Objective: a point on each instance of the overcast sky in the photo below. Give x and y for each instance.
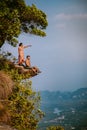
(62, 54)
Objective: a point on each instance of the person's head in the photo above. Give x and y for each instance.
(28, 56)
(20, 44)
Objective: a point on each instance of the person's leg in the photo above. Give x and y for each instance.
(28, 67)
(21, 59)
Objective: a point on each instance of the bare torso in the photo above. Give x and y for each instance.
(21, 51)
(21, 54)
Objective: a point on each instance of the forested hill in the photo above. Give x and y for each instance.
(67, 109)
(56, 96)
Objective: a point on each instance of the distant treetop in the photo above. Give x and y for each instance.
(16, 17)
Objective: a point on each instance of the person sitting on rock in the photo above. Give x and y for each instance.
(28, 65)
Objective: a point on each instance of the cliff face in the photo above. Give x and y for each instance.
(6, 127)
(6, 86)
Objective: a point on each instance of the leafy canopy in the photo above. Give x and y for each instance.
(24, 107)
(20, 107)
(16, 17)
(55, 128)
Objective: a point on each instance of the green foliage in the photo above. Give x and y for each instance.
(55, 128)
(5, 62)
(17, 17)
(9, 24)
(23, 103)
(24, 107)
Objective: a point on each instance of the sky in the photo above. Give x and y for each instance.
(62, 54)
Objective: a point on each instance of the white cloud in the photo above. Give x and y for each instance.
(63, 16)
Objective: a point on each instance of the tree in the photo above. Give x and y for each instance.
(24, 107)
(19, 103)
(16, 17)
(55, 128)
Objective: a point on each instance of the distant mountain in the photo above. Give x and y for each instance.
(68, 109)
(48, 96)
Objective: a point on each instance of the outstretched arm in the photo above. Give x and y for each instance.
(27, 46)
